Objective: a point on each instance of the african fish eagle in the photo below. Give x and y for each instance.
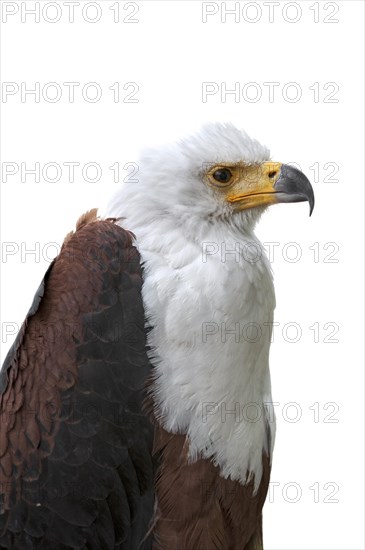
(125, 398)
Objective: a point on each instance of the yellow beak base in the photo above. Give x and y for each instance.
(255, 186)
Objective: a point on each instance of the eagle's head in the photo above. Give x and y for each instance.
(218, 174)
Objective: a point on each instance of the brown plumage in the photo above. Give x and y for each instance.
(76, 467)
(198, 509)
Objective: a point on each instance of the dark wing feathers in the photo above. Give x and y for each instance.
(76, 467)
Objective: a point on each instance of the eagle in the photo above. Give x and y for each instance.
(134, 400)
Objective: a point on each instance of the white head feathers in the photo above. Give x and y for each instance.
(170, 183)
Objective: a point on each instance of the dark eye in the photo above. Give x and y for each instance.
(223, 175)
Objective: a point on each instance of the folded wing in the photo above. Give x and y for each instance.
(76, 467)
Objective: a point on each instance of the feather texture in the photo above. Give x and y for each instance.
(72, 432)
(197, 508)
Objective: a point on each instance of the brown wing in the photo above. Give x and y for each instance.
(76, 469)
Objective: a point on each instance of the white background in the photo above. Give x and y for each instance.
(169, 52)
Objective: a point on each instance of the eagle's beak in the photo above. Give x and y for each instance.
(293, 186)
(270, 183)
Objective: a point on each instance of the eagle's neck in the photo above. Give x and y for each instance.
(210, 305)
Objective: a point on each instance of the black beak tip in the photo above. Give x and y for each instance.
(311, 206)
(295, 186)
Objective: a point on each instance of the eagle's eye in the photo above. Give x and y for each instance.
(223, 175)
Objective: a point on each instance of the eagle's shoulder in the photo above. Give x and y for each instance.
(75, 446)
